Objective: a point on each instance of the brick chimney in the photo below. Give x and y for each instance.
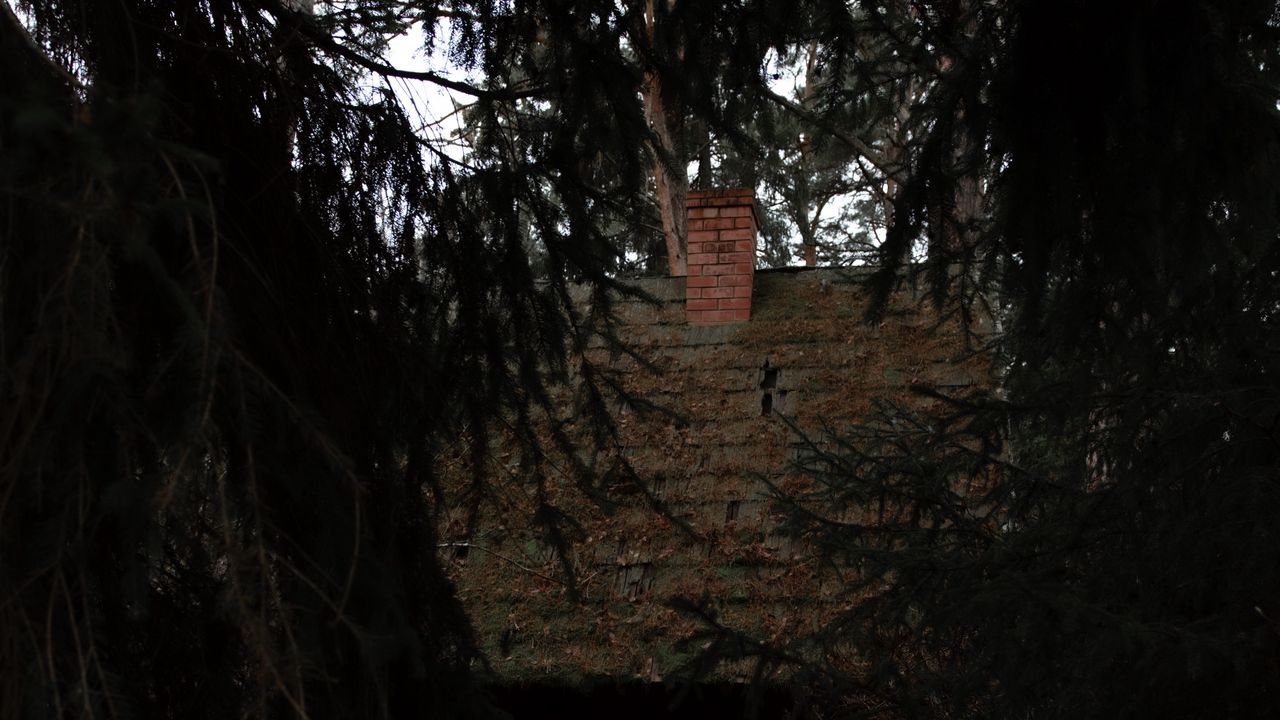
(722, 256)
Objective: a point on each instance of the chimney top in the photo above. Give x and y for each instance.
(722, 255)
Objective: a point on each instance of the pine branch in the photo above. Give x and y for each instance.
(323, 40)
(30, 55)
(862, 147)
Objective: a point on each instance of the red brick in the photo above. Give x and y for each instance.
(735, 257)
(695, 248)
(700, 304)
(718, 317)
(694, 270)
(742, 246)
(735, 235)
(700, 212)
(735, 280)
(719, 224)
(704, 259)
(742, 291)
(705, 235)
(734, 303)
(721, 192)
(693, 293)
(702, 201)
(696, 225)
(718, 269)
(718, 292)
(744, 268)
(743, 222)
(739, 211)
(700, 282)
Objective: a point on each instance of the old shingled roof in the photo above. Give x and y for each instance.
(737, 399)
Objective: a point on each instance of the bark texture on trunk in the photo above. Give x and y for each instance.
(670, 176)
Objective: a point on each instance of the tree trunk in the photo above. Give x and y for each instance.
(966, 198)
(670, 176)
(808, 231)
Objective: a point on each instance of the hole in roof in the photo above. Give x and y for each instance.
(635, 582)
(459, 551)
(770, 379)
(510, 637)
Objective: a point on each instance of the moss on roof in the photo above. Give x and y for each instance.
(706, 456)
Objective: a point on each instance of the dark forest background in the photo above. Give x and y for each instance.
(244, 304)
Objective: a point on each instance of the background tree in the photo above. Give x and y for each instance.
(726, 122)
(1097, 537)
(245, 309)
(242, 315)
